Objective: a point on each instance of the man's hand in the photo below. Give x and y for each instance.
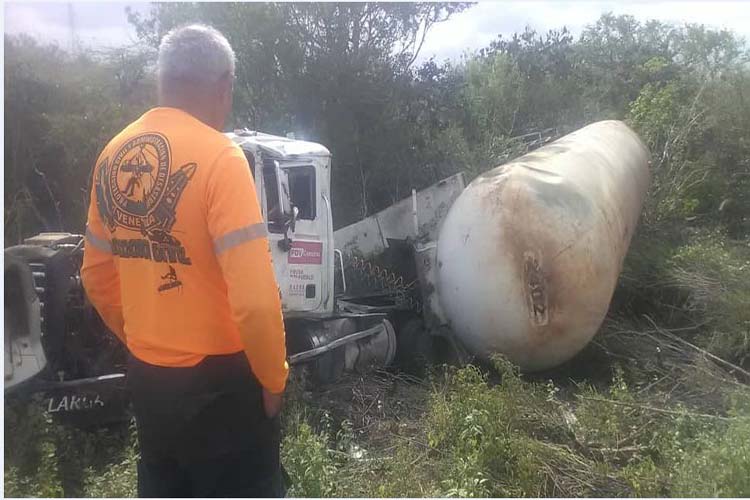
(271, 403)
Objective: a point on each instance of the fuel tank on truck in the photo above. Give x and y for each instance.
(530, 252)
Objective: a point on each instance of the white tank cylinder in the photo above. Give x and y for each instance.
(529, 254)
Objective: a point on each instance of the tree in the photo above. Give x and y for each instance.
(60, 111)
(345, 75)
(335, 73)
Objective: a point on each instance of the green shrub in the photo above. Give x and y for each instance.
(308, 462)
(716, 274)
(31, 465)
(43, 482)
(116, 477)
(44, 458)
(504, 439)
(720, 467)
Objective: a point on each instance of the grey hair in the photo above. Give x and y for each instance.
(195, 53)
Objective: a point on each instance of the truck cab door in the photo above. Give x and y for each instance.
(297, 234)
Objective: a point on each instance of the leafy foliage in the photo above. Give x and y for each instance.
(44, 458)
(497, 433)
(345, 75)
(60, 111)
(719, 468)
(308, 462)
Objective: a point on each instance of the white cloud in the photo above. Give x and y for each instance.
(105, 23)
(481, 24)
(102, 24)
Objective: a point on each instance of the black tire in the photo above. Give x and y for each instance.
(328, 368)
(414, 346)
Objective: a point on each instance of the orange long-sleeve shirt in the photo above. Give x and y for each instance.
(176, 259)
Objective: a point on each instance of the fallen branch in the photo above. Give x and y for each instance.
(702, 351)
(657, 410)
(624, 449)
(652, 384)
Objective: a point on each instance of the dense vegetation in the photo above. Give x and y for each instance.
(657, 405)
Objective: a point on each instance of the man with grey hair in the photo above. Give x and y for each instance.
(178, 266)
(195, 71)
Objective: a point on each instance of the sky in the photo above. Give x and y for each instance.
(104, 24)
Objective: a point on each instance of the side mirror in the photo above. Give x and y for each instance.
(282, 187)
(289, 224)
(289, 212)
(292, 222)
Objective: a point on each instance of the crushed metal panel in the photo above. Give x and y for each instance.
(363, 237)
(427, 271)
(370, 236)
(277, 146)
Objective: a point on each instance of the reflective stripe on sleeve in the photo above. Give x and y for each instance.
(239, 236)
(98, 243)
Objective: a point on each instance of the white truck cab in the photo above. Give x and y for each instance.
(292, 179)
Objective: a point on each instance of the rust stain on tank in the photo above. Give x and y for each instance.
(536, 289)
(533, 248)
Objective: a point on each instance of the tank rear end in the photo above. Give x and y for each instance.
(530, 253)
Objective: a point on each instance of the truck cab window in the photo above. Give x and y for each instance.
(302, 190)
(302, 194)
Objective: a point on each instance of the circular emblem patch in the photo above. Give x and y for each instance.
(138, 179)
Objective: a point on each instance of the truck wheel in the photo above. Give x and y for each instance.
(328, 368)
(414, 346)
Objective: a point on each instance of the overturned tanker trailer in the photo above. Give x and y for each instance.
(526, 260)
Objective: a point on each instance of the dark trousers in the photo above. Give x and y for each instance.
(202, 431)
